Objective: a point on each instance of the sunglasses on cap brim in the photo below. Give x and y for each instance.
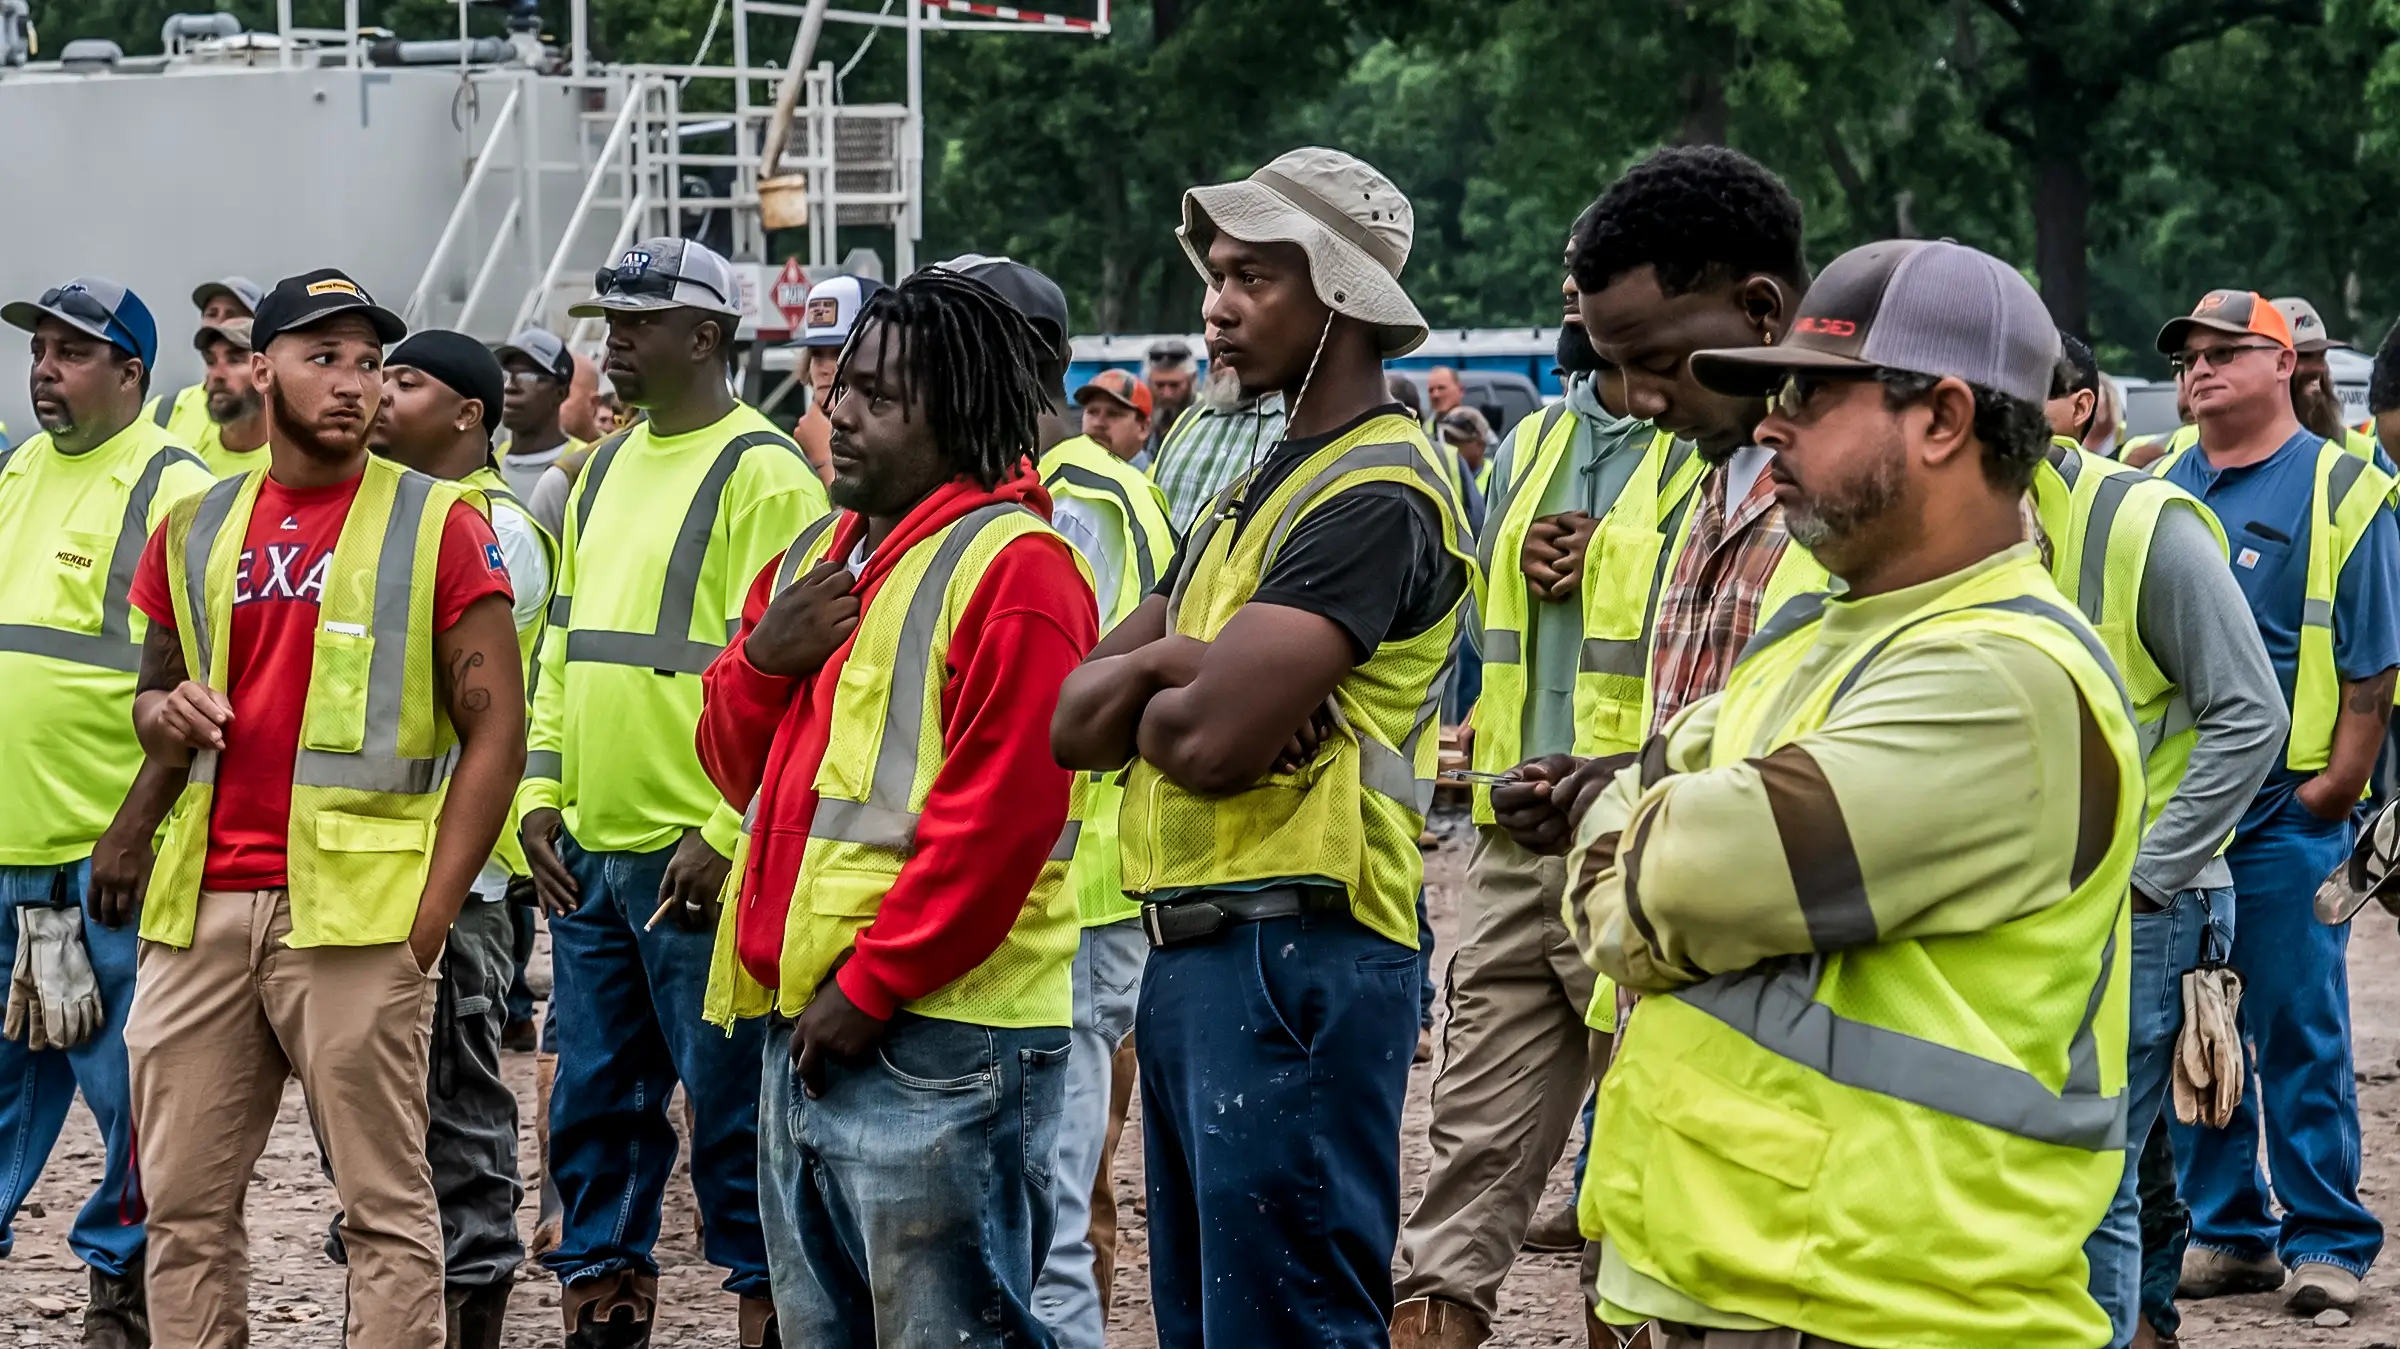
(83, 307)
(647, 283)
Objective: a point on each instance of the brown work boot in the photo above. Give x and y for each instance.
(2211, 1273)
(472, 1318)
(117, 1314)
(1556, 1232)
(611, 1312)
(759, 1330)
(1436, 1323)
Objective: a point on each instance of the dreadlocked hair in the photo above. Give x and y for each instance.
(970, 360)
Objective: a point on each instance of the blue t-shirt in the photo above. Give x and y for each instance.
(2265, 510)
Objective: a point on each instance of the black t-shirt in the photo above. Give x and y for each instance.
(1369, 560)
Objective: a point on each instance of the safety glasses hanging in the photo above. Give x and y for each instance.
(647, 283)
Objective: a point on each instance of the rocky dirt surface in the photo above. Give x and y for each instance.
(296, 1295)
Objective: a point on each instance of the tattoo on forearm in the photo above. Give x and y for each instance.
(2373, 697)
(162, 661)
(470, 694)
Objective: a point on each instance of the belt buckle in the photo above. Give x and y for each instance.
(1175, 924)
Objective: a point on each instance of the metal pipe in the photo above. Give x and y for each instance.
(458, 213)
(483, 274)
(283, 33)
(583, 207)
(350, 55)
(912, 148)
(787, 98)
(578, 35)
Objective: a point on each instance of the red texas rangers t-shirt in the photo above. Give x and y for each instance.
(277, 583)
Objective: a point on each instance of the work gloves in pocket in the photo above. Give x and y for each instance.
(53, 997)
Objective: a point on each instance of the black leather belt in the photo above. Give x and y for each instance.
(1204, 915)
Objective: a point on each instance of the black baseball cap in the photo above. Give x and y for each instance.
(466, 365)
(1032, 294)
(303, 301)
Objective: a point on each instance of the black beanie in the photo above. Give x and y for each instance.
(461, 362)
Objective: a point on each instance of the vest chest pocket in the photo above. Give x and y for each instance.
(340, 832)
(335, 718)
(64, 587)
(1617, 565)
(1721, 1150)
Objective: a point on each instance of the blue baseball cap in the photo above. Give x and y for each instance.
(97, 306)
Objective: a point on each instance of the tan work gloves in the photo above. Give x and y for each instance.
(53, 997)
(2368, 874)
(2208, 1054)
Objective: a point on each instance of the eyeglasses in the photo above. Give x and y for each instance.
(649, 282)
(1791, 398)
(528, 379)
(2188, 361)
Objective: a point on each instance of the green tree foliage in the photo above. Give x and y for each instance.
(2130, 154)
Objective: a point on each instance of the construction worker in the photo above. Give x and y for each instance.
(2145, 562)
(343, 712)
(1272, 703)
(183, 412)
(628, 842)
(442, 397)
(233, 436)
(1168, 373)
(2316, 554)
(1116, 414)
(825, 324)
(903, 904)
(1443, 393)
(541, 377)
(77, 500)
(1518, 1058)
(2383, 392)
(1116, 520)
(1874, 892)
(2315, 401)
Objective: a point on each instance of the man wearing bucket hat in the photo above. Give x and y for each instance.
(1273, 702)
(1874, 891)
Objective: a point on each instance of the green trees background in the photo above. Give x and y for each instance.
(2130, 154)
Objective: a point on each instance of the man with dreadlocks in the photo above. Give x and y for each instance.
(902, 912)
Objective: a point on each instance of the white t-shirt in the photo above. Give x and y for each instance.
(523, 472)
(1741, 474)
(529, 582)
(1101, 544)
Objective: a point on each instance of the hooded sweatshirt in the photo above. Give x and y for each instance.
(998, 800)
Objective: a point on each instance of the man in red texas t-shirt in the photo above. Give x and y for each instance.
(220, 1022)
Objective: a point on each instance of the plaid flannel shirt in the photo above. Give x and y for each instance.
(1207, 450)
(1710, 606)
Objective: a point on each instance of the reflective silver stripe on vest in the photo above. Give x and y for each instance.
(1145, 567)
(366, 772)
(2177, 719)
(378, 765)
(1797, 612)
(2341, 478)
(2316, 613)
(801, 554)
(207, 522)
(1220, 508)
(1503, 646)
(204, 767)
(544, 765)
(80, 648)
(166, 407)
(1064, 849)
(884, 819)
(1629, 657)
(1392, 454)
(2020, 604)
(561, 608)
(2091, 575)
(1775, 1006)
(112, 647)
(669, 647)
(1494, 512)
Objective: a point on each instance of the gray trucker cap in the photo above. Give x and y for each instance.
(1928, 306)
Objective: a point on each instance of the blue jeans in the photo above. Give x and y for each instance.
(1425, 988)
(2165, 944)
(629, 1028)
(910, 1205)
(1108, 984)
(36, 1089)
(1275, 1056)
(2166, 1231)
(2295, 1021)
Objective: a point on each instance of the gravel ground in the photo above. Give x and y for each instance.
(296, 1296)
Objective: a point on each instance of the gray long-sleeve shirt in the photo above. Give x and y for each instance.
(2198, 627)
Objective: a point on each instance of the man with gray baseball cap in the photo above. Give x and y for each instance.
(184, 411)
(1873, 892)
(540, 374)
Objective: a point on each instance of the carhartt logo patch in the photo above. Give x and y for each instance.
(76, 560)
(2247, 559)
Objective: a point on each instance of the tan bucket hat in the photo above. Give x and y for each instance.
(1355, 226)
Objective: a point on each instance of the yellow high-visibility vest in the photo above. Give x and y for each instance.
(2349, 489)
(1082, 468)
(376, 744)
(511, 847)
(2099, 517)
(1765, 1126)
(878, 769)
(1353, 812)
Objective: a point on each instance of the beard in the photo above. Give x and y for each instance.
(1575, 355)
(232, 407)
(316, 444)
(1222, 392)
(60, 423)
(1820, 519)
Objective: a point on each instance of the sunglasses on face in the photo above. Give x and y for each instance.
(2188, 361)
(1791, 398)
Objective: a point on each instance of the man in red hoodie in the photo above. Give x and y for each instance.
(884, 713)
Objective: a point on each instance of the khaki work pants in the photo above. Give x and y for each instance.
(1516, 1062)
(215, 1031)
